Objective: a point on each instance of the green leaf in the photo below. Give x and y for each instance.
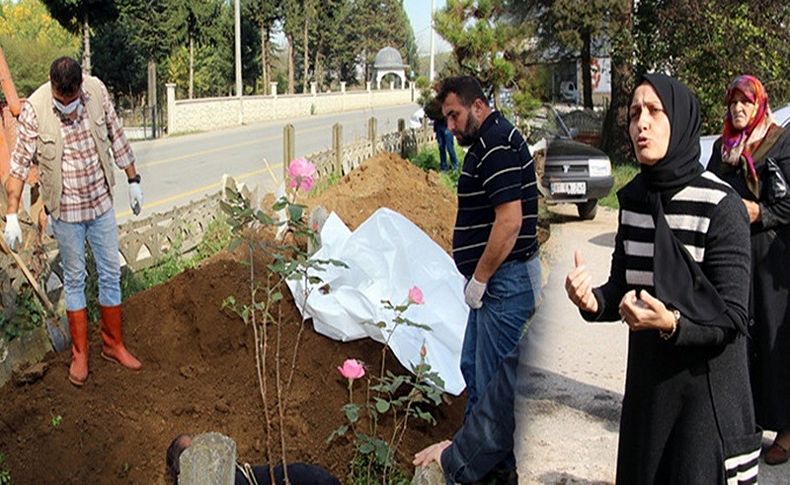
(382, 452)
(295, 212)
(264, 218)
(352, 412)
(341, 431)
(382, 406)
(281, 204)
(366, 448)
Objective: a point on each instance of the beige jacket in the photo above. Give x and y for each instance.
(49, 145)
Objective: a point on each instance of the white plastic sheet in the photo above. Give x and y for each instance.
(386, 256)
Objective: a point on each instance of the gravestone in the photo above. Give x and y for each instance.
(210, 460)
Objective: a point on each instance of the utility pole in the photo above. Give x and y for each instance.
(237, 9)
(433, 40)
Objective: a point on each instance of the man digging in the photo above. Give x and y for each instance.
(69, 128)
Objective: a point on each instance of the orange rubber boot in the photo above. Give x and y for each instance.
(113, 348)
(78, 326)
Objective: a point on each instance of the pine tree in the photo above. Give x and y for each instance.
(78, 15)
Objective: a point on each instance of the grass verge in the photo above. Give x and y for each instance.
(623, 173)
(428, 159)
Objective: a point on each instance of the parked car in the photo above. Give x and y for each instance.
(706, 142)
(570, 171)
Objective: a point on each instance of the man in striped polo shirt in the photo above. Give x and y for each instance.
(494, 241)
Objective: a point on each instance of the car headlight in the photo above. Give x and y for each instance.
(600, 167)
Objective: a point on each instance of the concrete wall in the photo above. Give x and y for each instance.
(206, 114)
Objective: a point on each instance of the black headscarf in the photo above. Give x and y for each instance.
(681, 163)
(679, 280)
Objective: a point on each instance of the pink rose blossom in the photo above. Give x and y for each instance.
(423, 351)
(352, 369)
(415, 296)
(301, 174)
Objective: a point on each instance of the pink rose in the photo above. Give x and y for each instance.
(423, 351)
(352, 369)
(415, 296)
(301, 174)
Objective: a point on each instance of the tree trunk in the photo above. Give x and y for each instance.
(318, 69)
(191, 65)
(306, 55)
(615, 140)
(264, 46)
(290, 41)
(586, 74)
(86, 51)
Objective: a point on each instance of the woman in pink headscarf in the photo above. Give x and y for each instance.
(753, 156)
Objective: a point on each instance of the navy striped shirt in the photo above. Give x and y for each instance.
(497, 169)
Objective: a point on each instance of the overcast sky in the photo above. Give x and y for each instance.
(419, 12)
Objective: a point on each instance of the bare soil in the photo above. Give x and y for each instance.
(199, 367)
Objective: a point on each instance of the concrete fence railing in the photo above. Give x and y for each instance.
(190, 115)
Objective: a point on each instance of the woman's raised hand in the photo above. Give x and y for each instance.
(578, 285)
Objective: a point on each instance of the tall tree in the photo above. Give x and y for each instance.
(265, 13)
(309, 14)
(615, 139)
(78, 16)
(118, 59)
(328, 47)
(375, 24)
(484, 44)
(31, 40)
(191, 21)
(570, 28)
(292, 12)
(705, 43)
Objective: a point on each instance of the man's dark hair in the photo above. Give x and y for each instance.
(66, 76)
(467, 88)
(177, 446)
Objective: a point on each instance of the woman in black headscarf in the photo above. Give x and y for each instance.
(681, 255)
(741, 157)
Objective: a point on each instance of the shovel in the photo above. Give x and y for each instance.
(60, 338)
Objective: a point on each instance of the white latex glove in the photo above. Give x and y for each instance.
(50, 226)
(473, 293)
(13, 233)
(136, 197)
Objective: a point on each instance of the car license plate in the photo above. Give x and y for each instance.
(570, 188)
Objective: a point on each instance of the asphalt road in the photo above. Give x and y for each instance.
(572, 373)
(178, 169)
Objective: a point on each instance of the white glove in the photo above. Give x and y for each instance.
(473, 293)
(13, 233)
(135, 197)
(50, 226)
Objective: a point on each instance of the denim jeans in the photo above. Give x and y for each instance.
(493, 330)
(102, 235)
(445, 141)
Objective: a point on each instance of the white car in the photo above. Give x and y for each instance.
(782, 116)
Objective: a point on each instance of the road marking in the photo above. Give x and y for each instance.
(225, 147)
(205, 188)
